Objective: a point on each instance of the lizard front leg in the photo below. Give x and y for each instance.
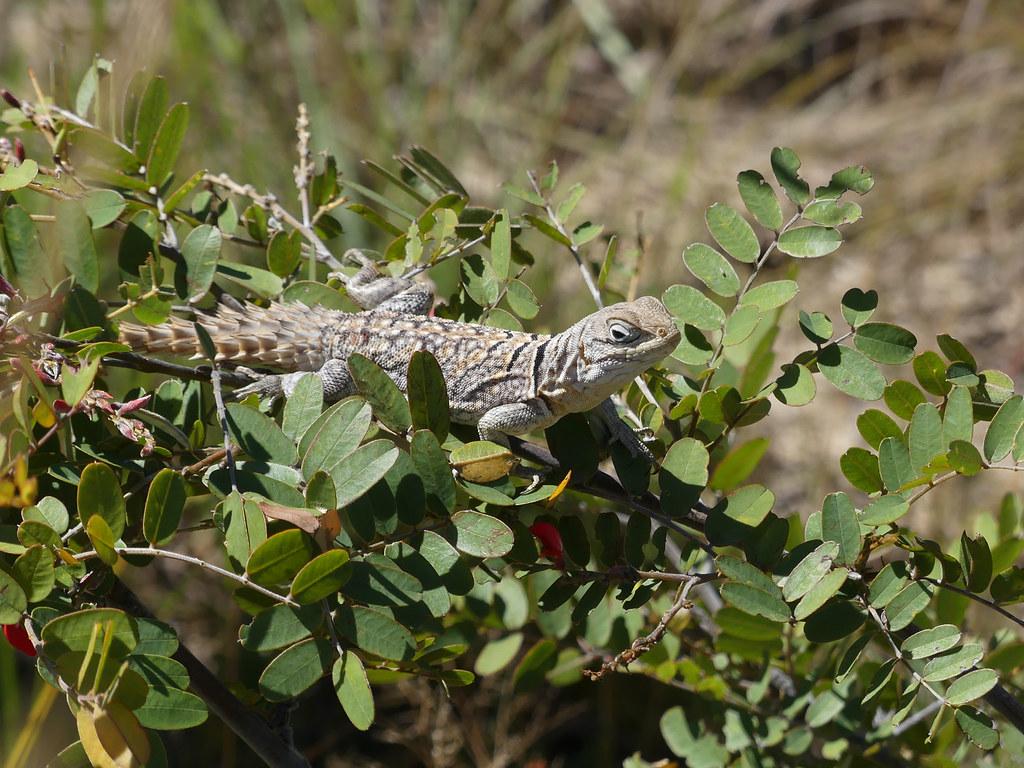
(334, 375)
(616, 430)
(372, 290)
(514, 419)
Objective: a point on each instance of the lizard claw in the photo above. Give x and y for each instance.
(265, 387)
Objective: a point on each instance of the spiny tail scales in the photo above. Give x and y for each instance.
(281, 335)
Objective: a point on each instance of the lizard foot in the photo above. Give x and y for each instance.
(265, 386)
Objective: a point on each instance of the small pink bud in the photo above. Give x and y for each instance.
(19, 150)
(133, 405)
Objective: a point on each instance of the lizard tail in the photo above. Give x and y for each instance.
(282, 335)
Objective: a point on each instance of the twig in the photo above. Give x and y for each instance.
(170, 555)
(977, 598)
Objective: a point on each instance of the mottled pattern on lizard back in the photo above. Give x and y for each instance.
(478, 362)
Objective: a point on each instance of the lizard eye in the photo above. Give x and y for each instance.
(622, 333)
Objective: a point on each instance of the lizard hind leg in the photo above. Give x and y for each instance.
(334, 375)
(372, 290)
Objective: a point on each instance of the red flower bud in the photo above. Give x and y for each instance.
(550, 541)
(10, 98)
(6, 288)
(132, 405)
(18, 638)
(19, 150)
(61, 406)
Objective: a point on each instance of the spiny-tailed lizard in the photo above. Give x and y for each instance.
(504, 382)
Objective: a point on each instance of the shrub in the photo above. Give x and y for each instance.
(372, 541)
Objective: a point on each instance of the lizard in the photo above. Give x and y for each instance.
(504, 382)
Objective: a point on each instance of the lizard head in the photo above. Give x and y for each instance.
(623, 340)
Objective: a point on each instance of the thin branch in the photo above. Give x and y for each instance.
(169, 555)
(977, 598)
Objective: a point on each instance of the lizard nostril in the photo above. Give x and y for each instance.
(662, 332)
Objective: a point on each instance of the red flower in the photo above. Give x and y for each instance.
(18, 638)
(550, 541)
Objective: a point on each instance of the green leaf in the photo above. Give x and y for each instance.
(885, 510)
(737, 465)
(732, 232)
(683, 475)
(958, 416)
(875, 425)
(795, 387)
(955, 351)
(1002, 432)
(712, 269)
(971, 686)
(389, 404)
(1008, 586)
(321, 577)
(976, 561)
(951, 664)
(907, 603)
(885, 343)
(18, 176)
(925, 436)
(931, 373)
(296, 669)
(353, 690)
(760, 199)
(164, 505)
(816, 326)
(166, 145)
(76, 384)
(536, 662)
(170, 709)
(21, 240)
(280, 626)
(858, 306)
(99, 493)
(433, 469)
(13, 600)
(77, 249)
(278, 559)
(259, 436)
(860, 467)
(755, 601)
(245, 527)
(838, 619)
(284, 252)
(820, 593)
(34, 571)
(964, 458)
(978, 727)
(480, 535)
(102, 206)
(74, 631)
(902, 397)
(259, 281)
(894, 464)
(855, 178)
(102, 540)
(303, 407)
(810, 570)
(839, 524)
(333, 436)
(522, 300)
(428, 395)
(740, 325)
(887, 584)
(49, 510)
(151, 112)
(688, 305)
(832, 213)
(810, 242)
(372, 631)
(200, 251)
(482, 461)
(501, 246)
(785, 164)
(851, 372)
(771, 295)
(498, 654)
(362, 469)
(929, 642)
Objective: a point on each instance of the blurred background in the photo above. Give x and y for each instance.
(655, 105)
